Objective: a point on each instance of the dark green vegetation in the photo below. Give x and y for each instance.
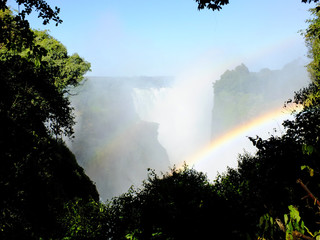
(44, 194)
(38, 173)
(241, 95)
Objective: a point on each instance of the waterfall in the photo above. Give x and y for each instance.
(182, 112)
(126, 125)
(113, 142)
(149, 102)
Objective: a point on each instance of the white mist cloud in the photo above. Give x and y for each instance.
(184, 110)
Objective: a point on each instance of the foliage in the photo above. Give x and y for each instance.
(292, 222)
(40, 78)
(15, 29)
(241, 95)
(211, 4)
(304, 132)
(265, 184)
(85, 220)
(37, 183)
(42, 180)
(67, 71)
(254, 197)
(249, 202)
(41, 6)
(217, 4)
(310, 96)
(38, 172)
(15, 34)
(179, 205)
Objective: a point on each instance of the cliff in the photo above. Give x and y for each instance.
(241, 95)
(114, 146)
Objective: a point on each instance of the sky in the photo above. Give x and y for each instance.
(173, 38)
(168, 37)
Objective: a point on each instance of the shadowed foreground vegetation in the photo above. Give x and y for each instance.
(45, 194)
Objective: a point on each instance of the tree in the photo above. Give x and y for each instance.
(310, 96)
(22, 36)
(211, 4)
(178, 205)
(38, 172)
(244, 203)
(217, 4)
(35, 84)
(41, 6)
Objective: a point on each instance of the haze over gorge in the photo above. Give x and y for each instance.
(161, 120)
(126, 125)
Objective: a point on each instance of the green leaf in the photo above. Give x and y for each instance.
(311, 172)
(271, 221)
(294, 213)
(302, 227)
(290, 227)
(304, 167)
(156, 234)
(261, 221)
(307, 149)
(285, 219)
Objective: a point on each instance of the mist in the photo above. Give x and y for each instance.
(127, 125)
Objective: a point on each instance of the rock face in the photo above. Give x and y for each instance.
(241, 95)
(114, 146)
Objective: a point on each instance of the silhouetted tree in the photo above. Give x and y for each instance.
(45, 10)
(217, 4)
(179, 205)
(38, 173)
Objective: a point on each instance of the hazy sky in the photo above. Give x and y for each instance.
(165, 37)
(173, 38)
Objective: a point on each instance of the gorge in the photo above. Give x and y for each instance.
(126, 125)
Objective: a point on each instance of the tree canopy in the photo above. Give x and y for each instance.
(38, 172)
(268, 196)
(46, 12)
(216, 5)
(260, 199)
(48, 196)
(241, 95)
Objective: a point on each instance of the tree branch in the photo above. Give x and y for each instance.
(297, 235)
(308, 191)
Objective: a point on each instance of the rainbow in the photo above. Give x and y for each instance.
(262, 119)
